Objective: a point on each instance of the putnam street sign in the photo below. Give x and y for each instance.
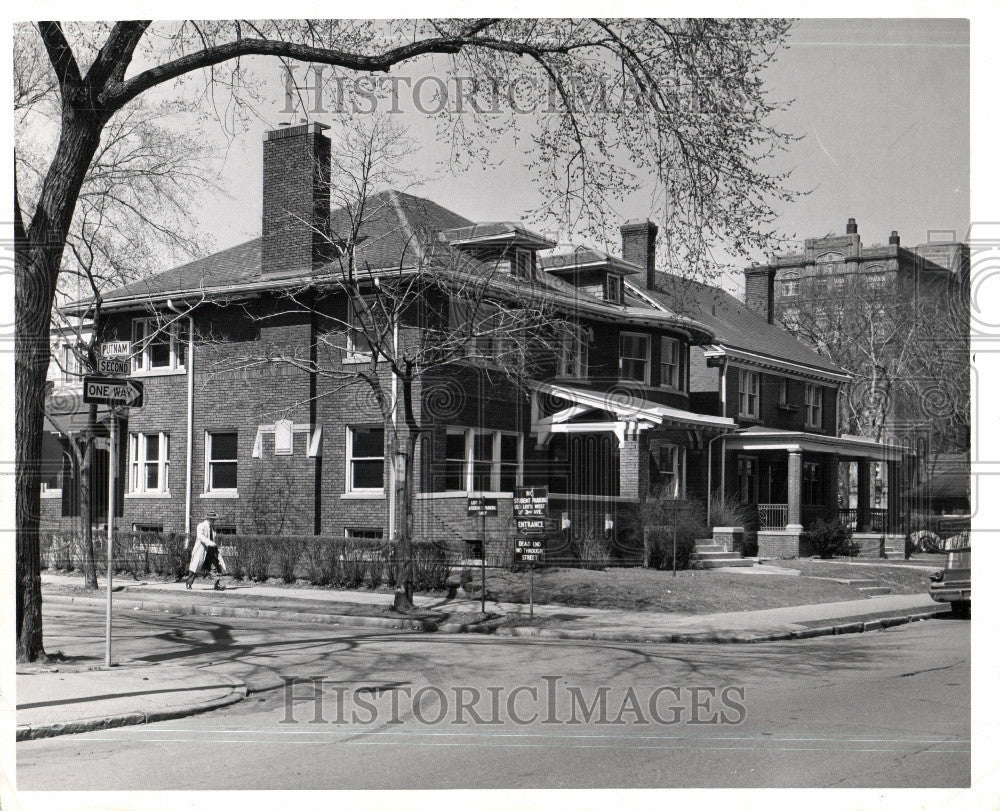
(114, 367)
(116, 349)
(112, 392)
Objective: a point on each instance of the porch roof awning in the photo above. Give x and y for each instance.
(631, 414)
(846, 445)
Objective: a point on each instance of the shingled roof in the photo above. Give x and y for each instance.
(735, 325)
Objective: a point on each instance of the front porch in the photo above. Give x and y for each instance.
(793, 479)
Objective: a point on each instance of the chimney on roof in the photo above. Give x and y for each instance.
(894, 238)
(852, 226)
(639, 247)
(296, 199)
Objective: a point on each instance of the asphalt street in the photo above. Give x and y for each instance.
(371, 709)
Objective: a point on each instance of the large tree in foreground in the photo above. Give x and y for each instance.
(626, 101)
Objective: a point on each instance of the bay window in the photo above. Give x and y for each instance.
(633, 357)
(481, 461)
(671, 364)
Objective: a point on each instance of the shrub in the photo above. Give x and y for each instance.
(830, 538)
(731, 512)
(321, 559)
(593, 552)
(288, 551)
(251, 557)
(663, 518)
(430, 568)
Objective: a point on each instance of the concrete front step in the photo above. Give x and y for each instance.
(720, 563)
(720, 555)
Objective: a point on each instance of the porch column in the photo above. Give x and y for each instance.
(892, 505)
(629, 468)
(794, 491)
(864, 495)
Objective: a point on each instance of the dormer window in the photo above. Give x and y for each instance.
(613, 288)
(522, 263)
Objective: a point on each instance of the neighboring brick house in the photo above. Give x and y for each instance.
(620, 413)
(824, 279)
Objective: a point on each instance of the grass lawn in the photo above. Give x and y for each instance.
(899, 579)
(691, 592)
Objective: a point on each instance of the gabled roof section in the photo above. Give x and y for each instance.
(735, 325)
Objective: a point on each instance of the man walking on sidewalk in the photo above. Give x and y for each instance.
(205, 553)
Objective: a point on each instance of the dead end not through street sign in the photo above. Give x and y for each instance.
(111, 391)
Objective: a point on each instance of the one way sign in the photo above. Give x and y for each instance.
(112, 392)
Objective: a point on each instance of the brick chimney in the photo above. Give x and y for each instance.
(894, 238)
(852, 226)
(296, 211)
(639, 247)
(759, 291)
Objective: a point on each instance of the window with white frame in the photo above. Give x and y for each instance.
(633, 357)
(574, 356)
(613, 290)
(158, 347)
(482, 461)
(671, 363)
(783, 392)
(52, 478)
(149, 462)
(522, 263)
(365, 458)
(749, 393)
(358, 320)
(814, 405)
(221, 462)
(666, 469)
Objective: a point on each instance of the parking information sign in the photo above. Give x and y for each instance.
(531, 508)
(481, 506)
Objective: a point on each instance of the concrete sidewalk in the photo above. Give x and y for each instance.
(59, 700)
(329, 606)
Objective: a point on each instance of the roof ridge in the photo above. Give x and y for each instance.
(404, 221)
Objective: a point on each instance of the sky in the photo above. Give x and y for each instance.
(881, 108)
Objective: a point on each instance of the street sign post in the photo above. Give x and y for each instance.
(529, 551)
(112, 392)
(482, 506)
(114, 367)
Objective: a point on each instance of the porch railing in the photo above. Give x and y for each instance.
(876, 517)
(772, 516)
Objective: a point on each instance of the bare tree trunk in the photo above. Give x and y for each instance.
(404, 593)
(37, 256)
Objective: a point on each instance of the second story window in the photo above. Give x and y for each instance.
(633, 357)
(358, 344)
(522, 263)
(149, 463)
(671, 363)
(574, 356)
(783, 393)
(158, 347)
(814, 406)
(749, 394)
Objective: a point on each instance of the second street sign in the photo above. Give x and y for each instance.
(112, 392)
(114, 367)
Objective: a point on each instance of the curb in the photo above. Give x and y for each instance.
(833, 628)
(243, 612)
(38, 731)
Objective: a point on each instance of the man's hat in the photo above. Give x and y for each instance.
(211, 514)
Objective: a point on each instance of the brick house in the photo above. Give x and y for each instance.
(646, 399)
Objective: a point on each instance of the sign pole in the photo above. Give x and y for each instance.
(531, 590)
(112, 471)
(483, 572)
